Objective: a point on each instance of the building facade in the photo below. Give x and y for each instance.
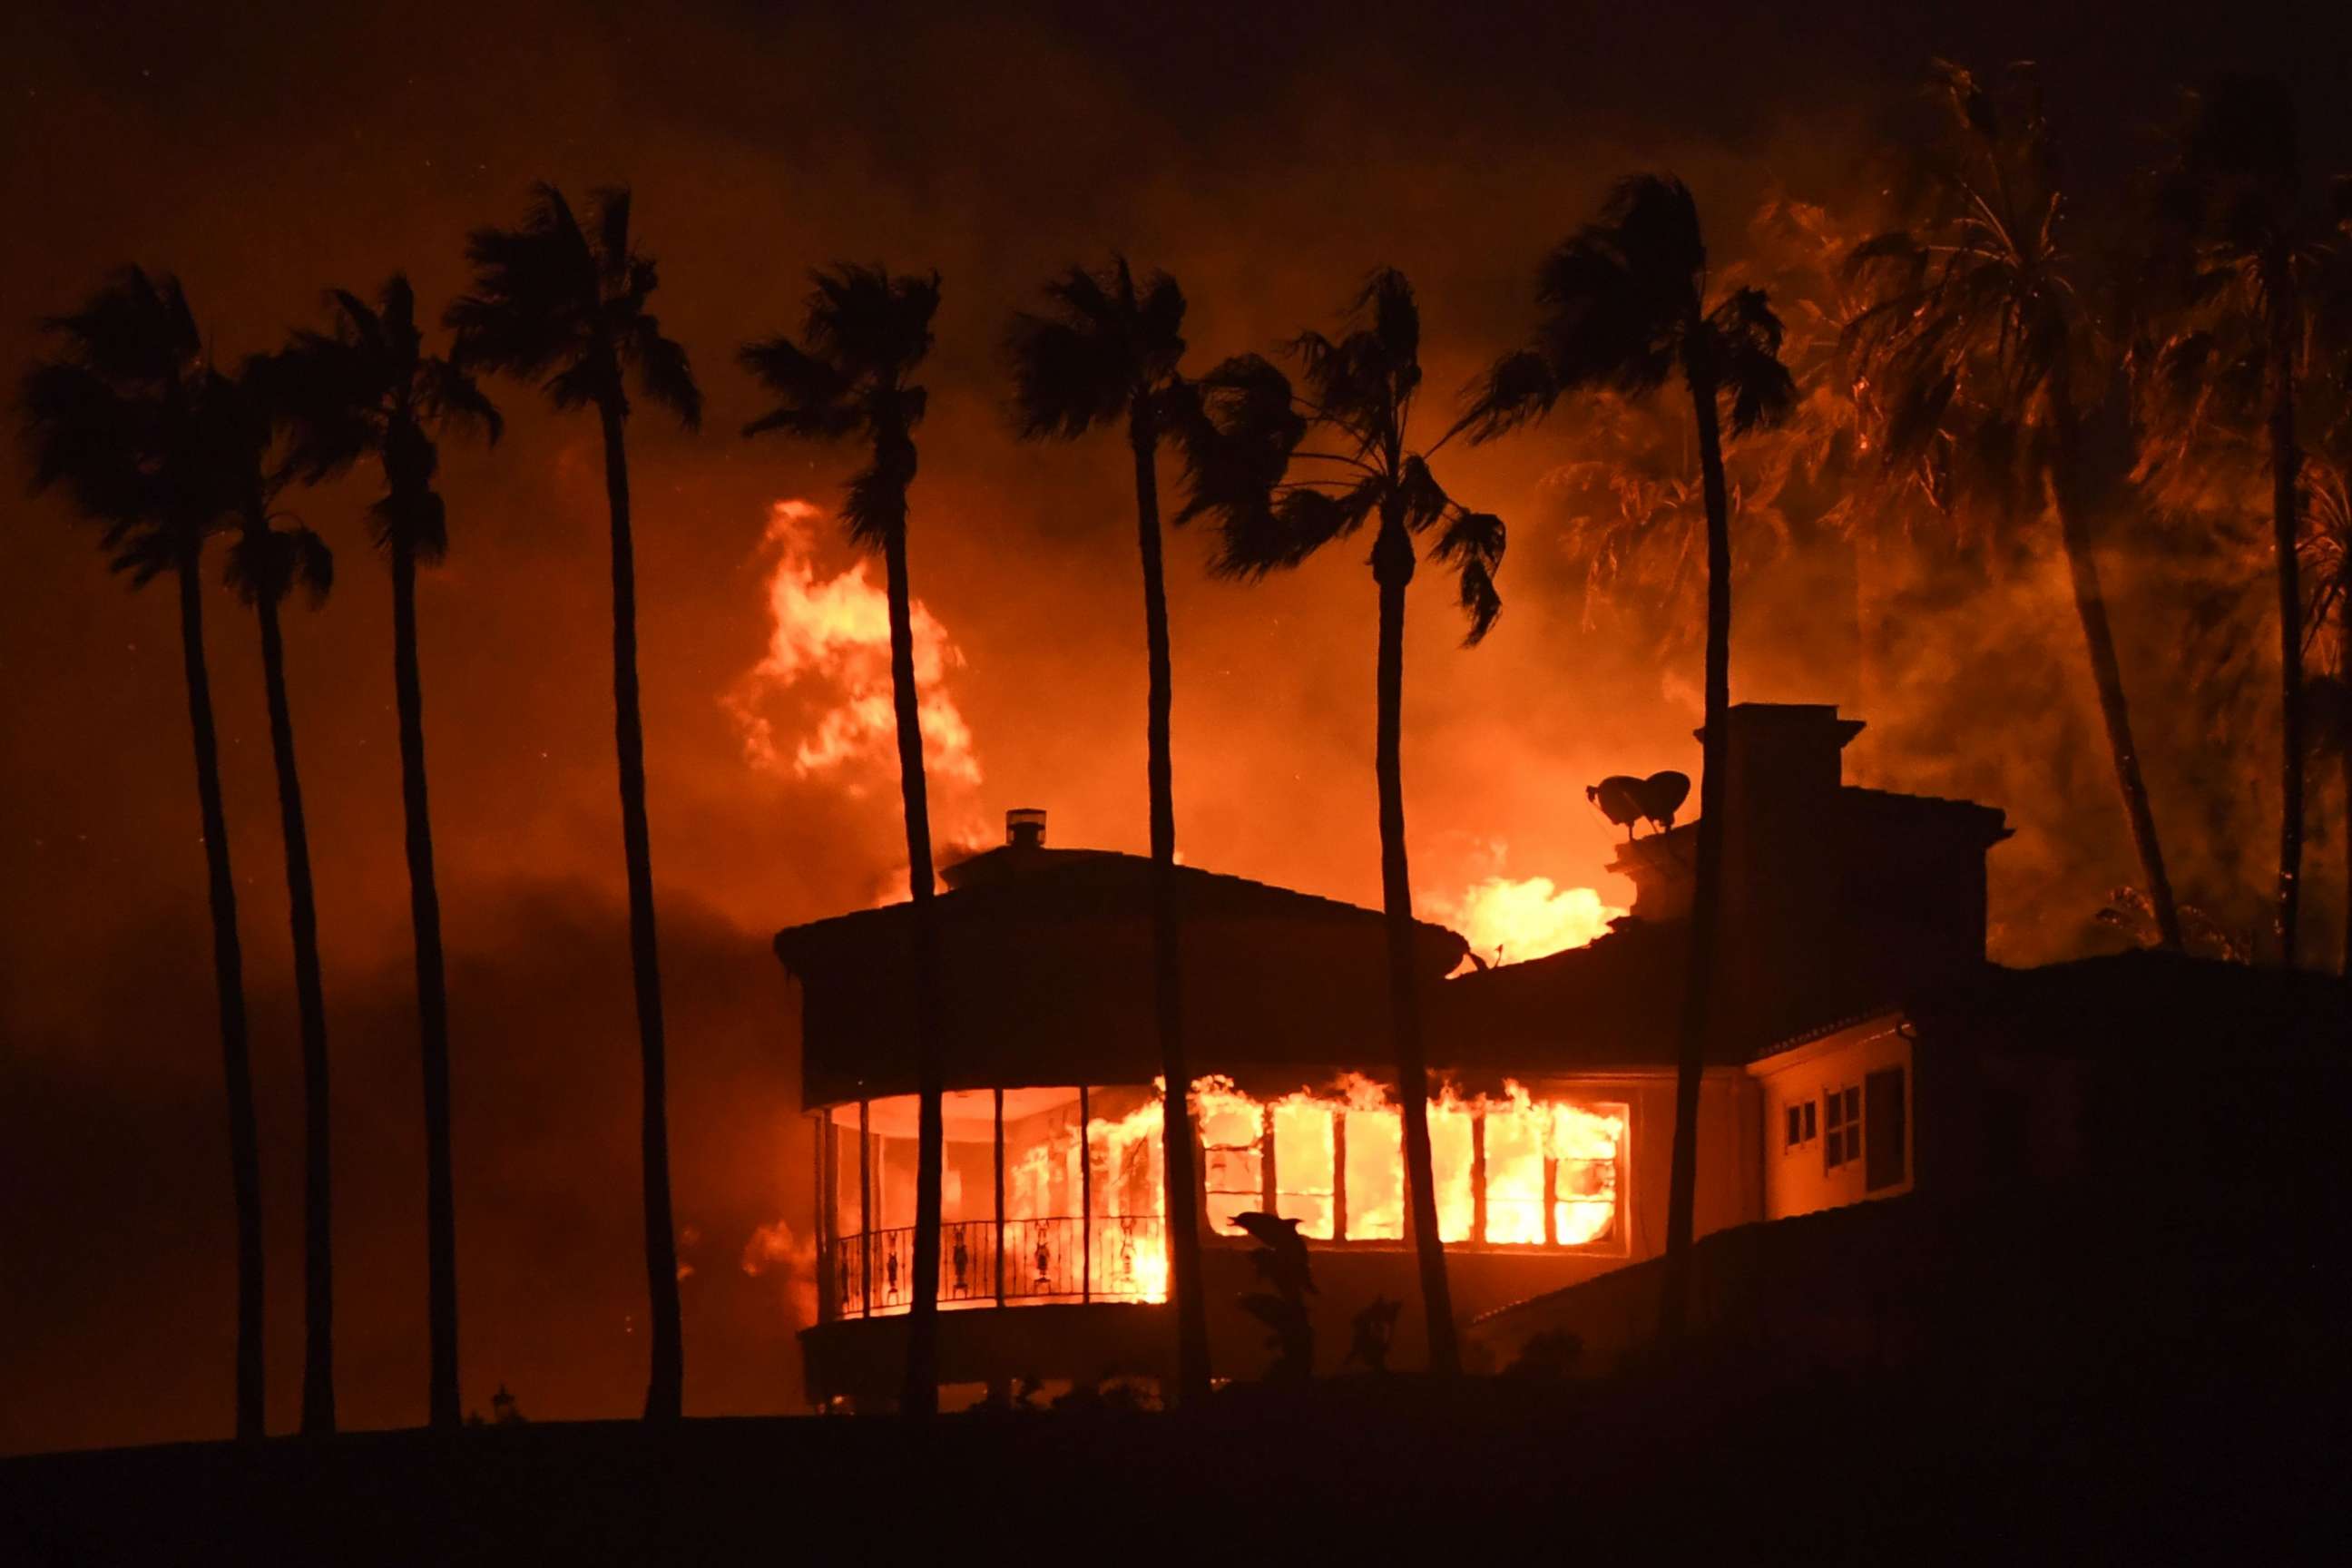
(1551, 1118)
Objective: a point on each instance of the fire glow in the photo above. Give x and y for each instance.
(1511, 1169)
(829, 642)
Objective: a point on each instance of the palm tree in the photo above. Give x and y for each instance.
(112, 420)
(1106, 351)
(2259, 252)
(365, 387)
(267, 563)
(864, 333)
(1359, 394)
(566, 307)
(1626, 308)
(1981, 344)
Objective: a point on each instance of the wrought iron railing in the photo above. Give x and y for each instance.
(1041, 1260)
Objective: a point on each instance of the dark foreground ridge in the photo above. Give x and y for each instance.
(2215, 1453)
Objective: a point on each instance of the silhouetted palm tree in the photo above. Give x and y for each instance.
(863, 334)
(267, 563)
(2259, 251)
(1625, 309)
(1980, 342)
(1360, 392)
(366, 387)
(113, 420)
(566, 307)
(1107, 351)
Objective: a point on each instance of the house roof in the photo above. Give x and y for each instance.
(1081, 885)
(1615, 1002)
(2138, 1006)
(1046, 973)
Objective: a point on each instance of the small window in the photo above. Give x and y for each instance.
(1802, 1124)
(1842, 1117)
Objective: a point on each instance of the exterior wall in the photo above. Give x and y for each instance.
(1797, 1178)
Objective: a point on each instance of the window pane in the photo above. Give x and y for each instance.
(1232, 1167)
(1451, 1153)
(1515, 1175)
(1303, 1166)
(1375, 1174)
(1810, 1125)
(1796, 1128)
(1128, 1234)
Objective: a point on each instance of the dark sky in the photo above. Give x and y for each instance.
(1267, 154)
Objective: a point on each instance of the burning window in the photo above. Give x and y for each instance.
(1232, 1131)
(1303, 1136)
(1081, 1174)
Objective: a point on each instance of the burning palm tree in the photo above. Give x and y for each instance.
(113, 420)
(2262, 252)
(567, 307)
(1626, 308)
(1245, 448)
(864, 333)
(365, 387)
(1981, 344)
(1107, 351)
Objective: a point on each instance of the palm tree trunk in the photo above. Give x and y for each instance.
(1699, 982)
(317, 1180)
(665, 1390)
(2287, 465)
(2106, 670)
(1182, 1222)
(431, 1004)
(1393, 566)
(920, 1397)
(228, 985)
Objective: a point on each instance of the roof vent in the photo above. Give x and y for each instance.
(1025, 827)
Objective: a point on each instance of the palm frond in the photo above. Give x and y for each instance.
(663, 371)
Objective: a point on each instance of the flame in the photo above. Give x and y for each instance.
(1505, 920)
(829, 648)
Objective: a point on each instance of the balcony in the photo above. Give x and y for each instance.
(1011, 1263)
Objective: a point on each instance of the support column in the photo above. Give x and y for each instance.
(1339, 1175)
(1000, 1197)
(1479, 1176)
(1085, 1195)
(864, 1209)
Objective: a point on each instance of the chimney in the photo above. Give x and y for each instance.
(1781, 774)
(1025, 827)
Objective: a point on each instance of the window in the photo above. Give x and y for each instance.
(1232, 1163)
(1303, 1166)
(1842, 1117)
(1802, 1124)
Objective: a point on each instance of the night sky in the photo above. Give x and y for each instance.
(1266, 155)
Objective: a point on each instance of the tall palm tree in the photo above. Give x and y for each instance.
(2261, 245)
(1980, 342)
(1359, 394)
(365, 387)
(1626, 308)
(112, 420)
(1104, 351)
(864, 333)
(266, 565)
(567, 307)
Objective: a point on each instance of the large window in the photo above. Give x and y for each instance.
(1056, 1193)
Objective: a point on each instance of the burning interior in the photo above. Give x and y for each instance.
(1028, 1219)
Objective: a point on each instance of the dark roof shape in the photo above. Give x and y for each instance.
(1019, 883)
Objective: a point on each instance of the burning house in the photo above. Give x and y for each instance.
(1552, 1112)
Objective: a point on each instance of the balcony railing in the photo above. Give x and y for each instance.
(1043, 1260)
